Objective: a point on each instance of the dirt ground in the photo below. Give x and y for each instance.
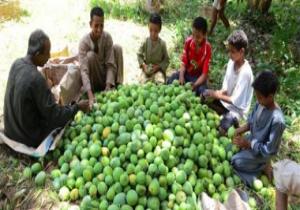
(66, 22)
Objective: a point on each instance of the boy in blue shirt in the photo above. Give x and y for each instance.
(266, 125)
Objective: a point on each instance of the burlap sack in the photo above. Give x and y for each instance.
(207, 203)
(54, 72)
(70, 85)
(234, 202)
(65, 80)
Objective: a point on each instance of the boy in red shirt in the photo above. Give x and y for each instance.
(195, 58)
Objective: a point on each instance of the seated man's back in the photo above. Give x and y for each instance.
(25, 118)
(30, 110)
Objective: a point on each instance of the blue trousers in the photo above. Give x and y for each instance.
(175, 76)
(248, 166)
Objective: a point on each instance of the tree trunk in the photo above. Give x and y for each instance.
(262, 6)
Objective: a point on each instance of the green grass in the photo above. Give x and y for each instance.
(17, 192)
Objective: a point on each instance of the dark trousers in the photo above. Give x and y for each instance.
(228, 120)
(199, 90)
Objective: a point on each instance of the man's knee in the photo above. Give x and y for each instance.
(237, 162)
(91, 56)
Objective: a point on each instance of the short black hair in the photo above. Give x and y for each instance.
(238, 39)
(155, 19)
(200, 24)
(96, 11)
(266, 83)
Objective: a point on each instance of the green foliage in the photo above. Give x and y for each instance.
(289, 97)
(285, 31)
(270, 48)
(282, 57)
(122, 10)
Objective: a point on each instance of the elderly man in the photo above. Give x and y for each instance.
(30, 111)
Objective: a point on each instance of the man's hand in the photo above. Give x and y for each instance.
(242, 129)
(91, 99)
(55, 61)
(213, 94)
(194, 86)
(144, 67)
(155, 68)
(91, 102)
(241, 142)
(236, 133)
(83, 105)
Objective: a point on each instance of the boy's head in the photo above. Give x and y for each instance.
(237, 45)
(265, 85)
(155, 23)
(97, 21)
(199, 29)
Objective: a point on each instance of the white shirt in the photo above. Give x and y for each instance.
(217, 4)
(238, 84)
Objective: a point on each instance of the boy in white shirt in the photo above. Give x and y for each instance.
(234, 99)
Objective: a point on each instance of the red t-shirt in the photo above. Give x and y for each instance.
(196, 61)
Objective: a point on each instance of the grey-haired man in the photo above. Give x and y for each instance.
(30, 111)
